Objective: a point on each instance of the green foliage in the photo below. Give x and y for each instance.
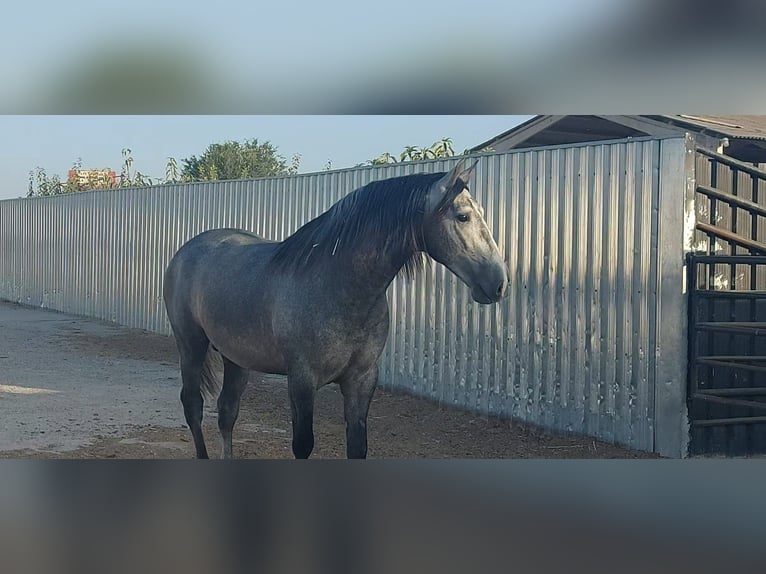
(41, 184)
(295, 164)
(238, 160)
(172, 174)
(230, 160)
(439, 149)
(135, 179)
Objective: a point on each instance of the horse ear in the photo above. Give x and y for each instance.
(449, 186)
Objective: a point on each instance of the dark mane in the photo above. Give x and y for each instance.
(386, 215)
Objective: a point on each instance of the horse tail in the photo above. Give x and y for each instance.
(211, 374)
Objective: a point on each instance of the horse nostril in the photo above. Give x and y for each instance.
(501, 288)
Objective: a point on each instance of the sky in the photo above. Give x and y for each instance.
(494, 56)
(56, 142)
(279, 57)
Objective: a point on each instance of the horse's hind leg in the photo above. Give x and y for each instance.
(357, 395)
(234, 383)
(193, 353)
(191, 398)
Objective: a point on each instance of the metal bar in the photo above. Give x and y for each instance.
(732, 200)
(735, 229)
(732, 237)
(699, 258)
(712, 220)
(726, 160)
(692, 318)
(754, 200)
(675, 213)
(756, 329)
(731, 421)
(713, 294)
(735, 358)
(729, 402)
(735, 392)
(733, 365)
(753, 268)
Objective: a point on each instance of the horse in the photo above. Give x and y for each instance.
(314, 307)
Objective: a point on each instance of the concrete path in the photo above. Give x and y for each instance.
(58, 393)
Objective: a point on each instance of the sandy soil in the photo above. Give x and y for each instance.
(77, 388)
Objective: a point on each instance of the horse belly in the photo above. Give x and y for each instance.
(263, 363)
(255, 359)
(250, 350)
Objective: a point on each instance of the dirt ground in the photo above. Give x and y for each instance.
(79, 388)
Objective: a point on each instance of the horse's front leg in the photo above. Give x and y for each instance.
(357, 395)
(301, 387)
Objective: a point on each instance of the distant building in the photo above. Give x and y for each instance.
(93, 178)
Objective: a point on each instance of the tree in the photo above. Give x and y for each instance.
(135, 179)
(238, 160)
(230, 160)
(441, 148)
(438, 149)
(42, 184)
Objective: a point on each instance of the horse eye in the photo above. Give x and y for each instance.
(462, 217)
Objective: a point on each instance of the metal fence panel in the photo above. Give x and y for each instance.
(572, 348)
(717, 175)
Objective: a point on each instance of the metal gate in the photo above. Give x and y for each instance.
(727, 308)
(727, 357)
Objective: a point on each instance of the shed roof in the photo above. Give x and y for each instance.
(747, 134)
(744, 127)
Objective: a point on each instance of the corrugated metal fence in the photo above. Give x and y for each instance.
(572, 348)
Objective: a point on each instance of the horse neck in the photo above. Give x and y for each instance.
(370, 271)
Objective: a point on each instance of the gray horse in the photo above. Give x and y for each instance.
(313, 307)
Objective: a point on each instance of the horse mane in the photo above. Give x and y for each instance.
(385, 215)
